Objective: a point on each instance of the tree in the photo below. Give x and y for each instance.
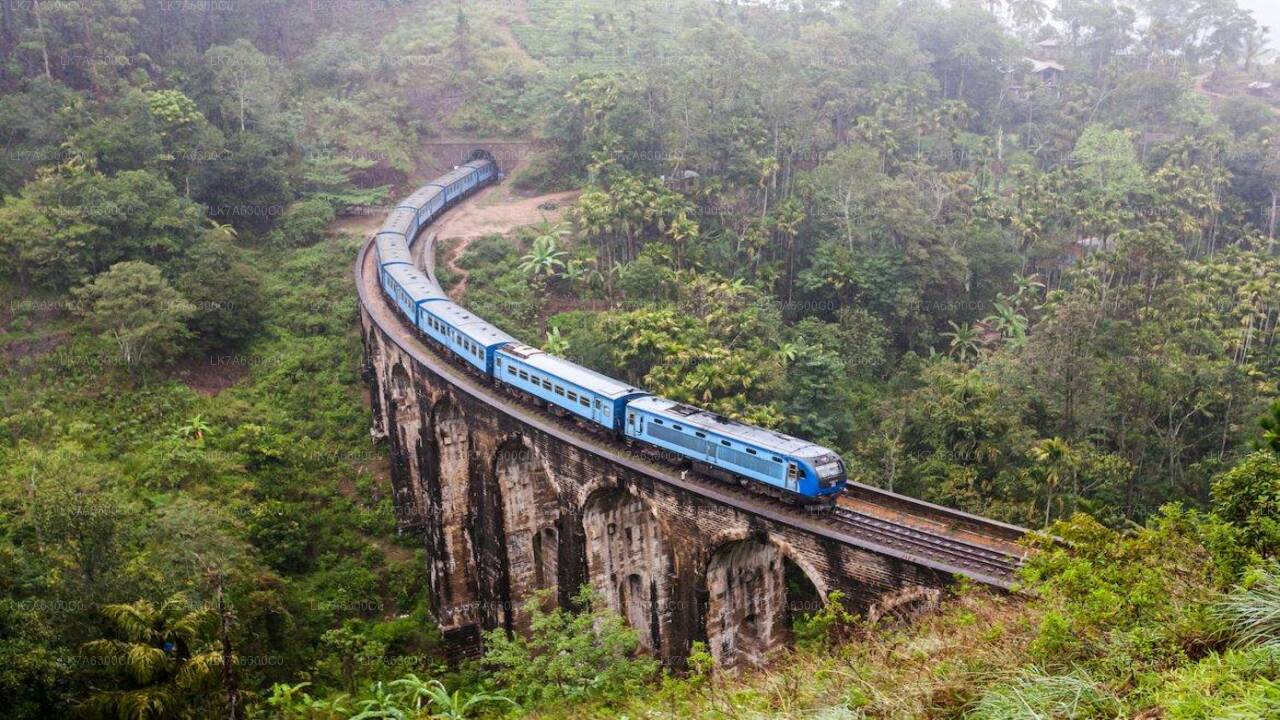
(303, 223)
(1057, 462)
(1248, 496)
(1108, 163)
(132, 305)
(1028, 15)
(964, 344)
(72, 222)
(162, 657)
(544, 258)
(224, 290)
(244, 74)
(1270, 425)
(556, 344)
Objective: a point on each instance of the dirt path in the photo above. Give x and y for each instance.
(494, 211)
(1202, 87)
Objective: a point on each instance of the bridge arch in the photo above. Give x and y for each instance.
(538, 524)
(404, 408)
(445, 496)
(629, 562)
(749, 604)
(404, 421)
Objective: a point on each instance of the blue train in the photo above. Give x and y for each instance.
(715, 445)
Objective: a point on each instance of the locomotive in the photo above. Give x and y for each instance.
(779, 464)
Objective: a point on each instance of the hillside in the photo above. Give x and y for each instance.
(1011, 259)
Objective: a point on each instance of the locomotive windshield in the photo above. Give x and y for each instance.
(830, 469)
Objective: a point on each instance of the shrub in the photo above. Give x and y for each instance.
(578, 656)
(1254, 610)
(303, 223)
(1248, 496)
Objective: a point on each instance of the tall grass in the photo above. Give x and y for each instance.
(1037, 696)
(1254, 610)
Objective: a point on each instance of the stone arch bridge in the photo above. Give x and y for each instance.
(510, 500)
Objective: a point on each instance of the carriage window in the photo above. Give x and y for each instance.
(585, 402)
(658, 420)
(572, 395)
(699, 434)
(559, 390)
(750, 451)
(511, 369)
(524, 375)
(777, 459)
(677, 427)
(546, 384)
(724, 443)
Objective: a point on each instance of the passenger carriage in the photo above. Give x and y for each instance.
(392, 252)
(569, 386)
(425, 204)
(408, 288)
(463, 333)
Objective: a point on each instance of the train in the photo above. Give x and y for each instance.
(781, 465)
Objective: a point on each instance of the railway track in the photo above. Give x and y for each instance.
(904, 528)
(910, 539)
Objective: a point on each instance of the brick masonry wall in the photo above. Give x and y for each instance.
(506, 510)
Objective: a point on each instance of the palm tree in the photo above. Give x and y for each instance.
(1028, 14)
(786, 354)
(1029, 286)
(167, 663)
(555, 344)
(1270, 424)
(1057, 460)
(574, 271)
(1255, 47)
(964, 342)
(1009, 322)
(228, 232)
(544, 258)
(195, 429)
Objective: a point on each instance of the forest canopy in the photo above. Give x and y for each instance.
(1014, 257)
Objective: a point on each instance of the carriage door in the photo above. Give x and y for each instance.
(793, 477)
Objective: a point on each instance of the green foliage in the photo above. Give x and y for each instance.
(163, 658)
(133, 306)
(1270, 425)
(1108, 163)
(303, 223)
(1248, 496)
(1036, 696)
(569, 656)
(828, 626)
(1254, 609)
(72, 222)
(1235, 685)
(1124, 603)
(224, 292)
